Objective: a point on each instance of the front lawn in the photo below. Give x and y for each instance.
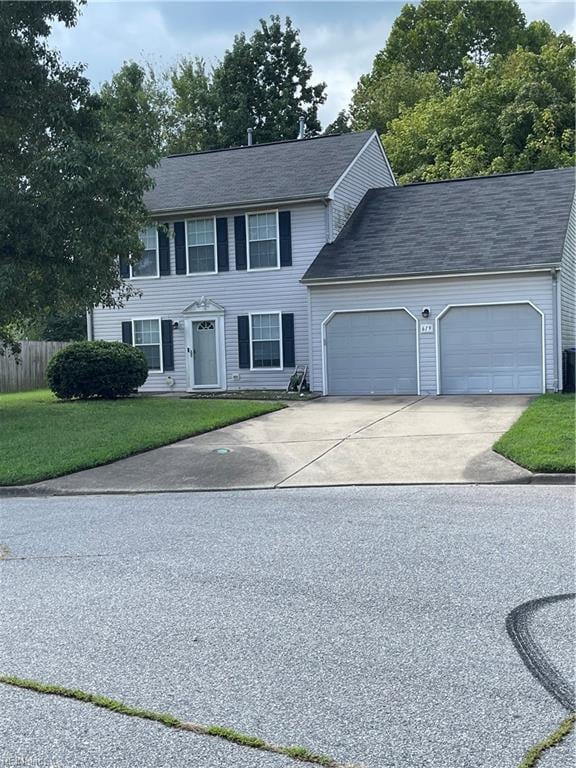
(41, 437)
(542, 439)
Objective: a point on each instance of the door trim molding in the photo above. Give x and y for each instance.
(448, 307)
(218, 319)
(362, 309)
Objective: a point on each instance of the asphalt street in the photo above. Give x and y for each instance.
(365, 623)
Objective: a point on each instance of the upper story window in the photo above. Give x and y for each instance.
(201, 238)
(147, 265)
(263, 250)
(147, 337)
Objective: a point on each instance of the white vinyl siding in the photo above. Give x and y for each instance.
(201, 245)
(436, 294)
(239, 293)
(568, 284)
(147, 265)
(369, 171)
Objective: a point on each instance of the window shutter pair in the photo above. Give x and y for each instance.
(221, 245)
(163, 255)
(287, 340)
(285, 231)
(167, 337)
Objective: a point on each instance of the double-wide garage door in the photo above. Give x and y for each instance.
(491, 350)
(488, 349)
(371, 353)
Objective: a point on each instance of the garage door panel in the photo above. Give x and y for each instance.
(492, 349)
(371, 353)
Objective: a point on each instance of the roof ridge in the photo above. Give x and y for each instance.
(267, 144)
(484, 176)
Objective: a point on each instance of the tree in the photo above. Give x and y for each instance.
(340, 125)
(515, 114)
(72, 177)
(193, 111)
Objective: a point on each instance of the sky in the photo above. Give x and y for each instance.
(341, 38)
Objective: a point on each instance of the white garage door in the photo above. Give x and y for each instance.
(371, 353)
(491, 350)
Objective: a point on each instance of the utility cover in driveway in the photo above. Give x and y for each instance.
(371, 353)
(491, 349)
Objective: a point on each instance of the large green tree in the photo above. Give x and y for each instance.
(515, 114)
(72, 176)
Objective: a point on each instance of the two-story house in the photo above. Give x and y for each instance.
(306, 252)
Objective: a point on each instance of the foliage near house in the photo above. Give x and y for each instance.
(43, 437)
(543, 438)
(466, 88)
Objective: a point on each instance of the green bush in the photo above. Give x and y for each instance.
(105, 369)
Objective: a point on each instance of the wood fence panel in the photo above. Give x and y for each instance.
(28, 370)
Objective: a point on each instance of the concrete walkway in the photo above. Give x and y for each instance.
(330, 441)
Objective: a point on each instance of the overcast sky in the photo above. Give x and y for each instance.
(341, 37)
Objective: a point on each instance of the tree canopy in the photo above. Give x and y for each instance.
(72, 175)
(465, 87)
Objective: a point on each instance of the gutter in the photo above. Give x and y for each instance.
(556, 303)
(90, 325)
(243, 205)
(311, 282)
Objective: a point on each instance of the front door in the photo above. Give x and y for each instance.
(205, 353)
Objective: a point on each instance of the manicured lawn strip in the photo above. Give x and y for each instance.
(41, 437)
(534, 754)
(301, 754)
(542, 439)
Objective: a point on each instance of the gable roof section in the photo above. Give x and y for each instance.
(490, 223)
(261, 173)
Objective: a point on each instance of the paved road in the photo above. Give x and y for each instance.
(326, 442)
(367, 623)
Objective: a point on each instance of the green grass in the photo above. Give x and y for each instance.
(228, 734)
(542, 439)
(43, 437)
(532, 757)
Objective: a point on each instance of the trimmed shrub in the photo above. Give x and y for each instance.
(107, 369)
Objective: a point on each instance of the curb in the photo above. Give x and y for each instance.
(553, 478)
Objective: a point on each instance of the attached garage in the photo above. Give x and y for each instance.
(371, 353)
(490, 349)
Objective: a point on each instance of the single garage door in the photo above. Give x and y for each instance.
(371, 353)
(491, 350)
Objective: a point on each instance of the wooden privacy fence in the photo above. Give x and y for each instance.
(28, 369)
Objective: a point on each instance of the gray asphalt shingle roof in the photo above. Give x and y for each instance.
(487, 223)
(261, 173)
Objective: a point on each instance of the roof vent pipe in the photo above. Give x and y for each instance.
(302, 126)
(250, 132)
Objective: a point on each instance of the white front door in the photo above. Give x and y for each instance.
(203, 353)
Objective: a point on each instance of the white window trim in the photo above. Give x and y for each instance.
(209, 272)
(266, 368)
(150, 277)
(159, 321)
(262, 269)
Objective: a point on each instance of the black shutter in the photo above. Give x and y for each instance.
(222, 244)
(163, 251)
(243, 341)
(167, 345)
(124, 267)
(127, 332)
(285, 229)
(240, 241)
(288, 340)
(180, 247)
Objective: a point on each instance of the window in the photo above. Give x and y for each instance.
(201, 245)
(265, 341)
(146, 335)
(147, 266)
(263, 241)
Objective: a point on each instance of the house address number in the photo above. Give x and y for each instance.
(426, 328)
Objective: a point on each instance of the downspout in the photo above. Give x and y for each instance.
(558, 383)
(90, 325)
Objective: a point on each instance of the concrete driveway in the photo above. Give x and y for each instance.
(330, 441)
